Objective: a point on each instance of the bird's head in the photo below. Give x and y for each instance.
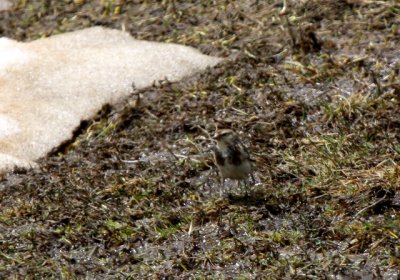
(225, 137)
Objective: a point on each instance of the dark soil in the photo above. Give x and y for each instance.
(314, 94)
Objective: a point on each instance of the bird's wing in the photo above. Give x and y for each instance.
(219, 158)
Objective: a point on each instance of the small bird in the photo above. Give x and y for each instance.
(232, 158)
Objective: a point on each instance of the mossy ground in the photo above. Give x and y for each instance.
(315, 95)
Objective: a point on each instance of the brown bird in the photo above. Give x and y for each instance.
(232, 158)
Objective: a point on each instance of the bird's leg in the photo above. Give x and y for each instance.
(246, 187)
(222, 186)
(242, 185)
(253, 179)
